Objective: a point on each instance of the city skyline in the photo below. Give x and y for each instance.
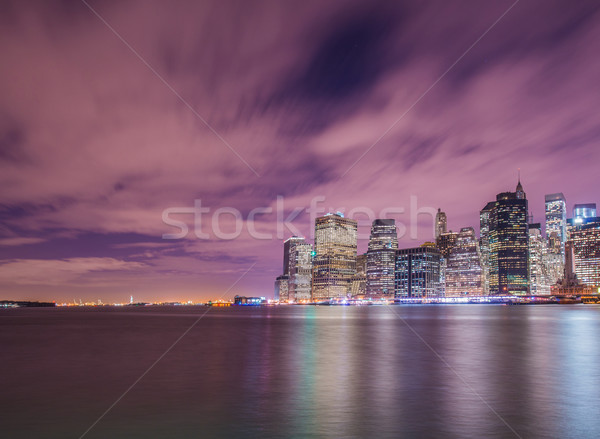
(95, 145)
(510, 257)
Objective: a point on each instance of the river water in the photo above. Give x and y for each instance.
(413, 371)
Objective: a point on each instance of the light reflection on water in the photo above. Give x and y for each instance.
(303, 371)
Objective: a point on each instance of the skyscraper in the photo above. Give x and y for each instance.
(509, 241)
(556, 220)
(281, 288)
(418, 273)
(582, 211)
(286, 251)
(300, 270)
(359, 281)
(484, 244)
(445, 243)
(334, 264)
(585, 239)
(463, 271)
(441, 223)
(538, 254)
(381, 255)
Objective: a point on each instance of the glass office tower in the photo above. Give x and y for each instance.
(484, 244)
(463, 271)
(418, 273)
(539, 283)
(381, 256)
(585, 239)
(334, 263)
(300, 271)
(509, 242)
(556, 220)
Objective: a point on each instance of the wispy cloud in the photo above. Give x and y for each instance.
(20, 241)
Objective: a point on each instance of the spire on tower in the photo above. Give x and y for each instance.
(520, 191)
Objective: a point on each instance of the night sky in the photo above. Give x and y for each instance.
(235, 103)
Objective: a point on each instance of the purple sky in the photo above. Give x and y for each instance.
(94, 145)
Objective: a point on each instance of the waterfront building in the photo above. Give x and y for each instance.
(463, 274)
(585, 239)
(441, 223)
(300, 270)
(334, 263)
(418, 273)
(509, 242)
(538, 253)
(556, 220)
(249, 301)
(286, 251)
(381, 256)
(484, 244)
(281, 288)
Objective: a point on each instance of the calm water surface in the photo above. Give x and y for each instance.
(477, 371)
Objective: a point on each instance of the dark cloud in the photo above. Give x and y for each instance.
(11, 146)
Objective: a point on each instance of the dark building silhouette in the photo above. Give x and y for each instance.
(418, 273)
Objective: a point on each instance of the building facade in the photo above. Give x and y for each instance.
(464, 274)
(539, 278)
(446, 242)
(334, 263)
(300, 270)
(381, 258)
(418, 273)
(441, 223)
(556, 220)
(281, 288)
(286, 251)
(585, 240)
(583, 211)
(484, 244)
(509, 244)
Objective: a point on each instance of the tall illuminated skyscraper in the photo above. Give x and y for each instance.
(381, 255)
(484, 244)
(281, 288)
(556, 220)
(463, 271)
(300, 270)
(509, 242)
(441, 223)
(538, 255)
(286, 251)
(334, 264)
(585, 239)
